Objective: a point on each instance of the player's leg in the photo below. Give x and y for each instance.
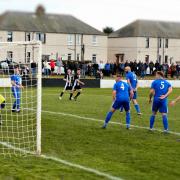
(155, 108)
(71, 94)
(115, 106)
(2, 106)
(15, 102)
(62, 93)
(126, 106)
(136, 105)
(79, 90)
(121, 109)
(18, 101)
(164, 110)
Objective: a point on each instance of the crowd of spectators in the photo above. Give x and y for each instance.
(109, 69)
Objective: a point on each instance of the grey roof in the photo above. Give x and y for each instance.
(148, 28)
(48, 23)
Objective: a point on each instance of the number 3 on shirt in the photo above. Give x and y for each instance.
(122, 87)
(162, 85)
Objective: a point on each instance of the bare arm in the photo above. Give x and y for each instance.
(114, 95)
(151, 94)
(80, 82)
(14, 84)
(172, 103)
(167, 94)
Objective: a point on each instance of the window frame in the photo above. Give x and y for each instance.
(94, 40)
(70, 39)
(9, 36)
(147, 42)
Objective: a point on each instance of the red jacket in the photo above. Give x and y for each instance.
(52, 64)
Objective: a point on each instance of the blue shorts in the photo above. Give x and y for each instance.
(118, 104)
(135, 95)
(161, 106)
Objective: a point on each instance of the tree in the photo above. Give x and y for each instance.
(108, 30)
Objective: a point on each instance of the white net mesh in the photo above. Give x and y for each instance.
(18, 124)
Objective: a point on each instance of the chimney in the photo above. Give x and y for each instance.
(40, 11)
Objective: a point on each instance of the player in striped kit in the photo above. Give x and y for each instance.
(69, 79)
(77, 84)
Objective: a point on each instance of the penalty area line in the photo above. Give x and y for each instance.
(64, 162)
(100, 120)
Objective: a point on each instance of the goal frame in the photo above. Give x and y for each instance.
(39, 88)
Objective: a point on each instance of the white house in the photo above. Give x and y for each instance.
(62, 35)
(145, 40)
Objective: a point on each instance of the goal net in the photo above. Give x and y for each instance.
(20, 98)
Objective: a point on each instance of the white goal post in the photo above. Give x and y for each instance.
(20, 122)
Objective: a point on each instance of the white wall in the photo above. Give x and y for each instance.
(142, 83)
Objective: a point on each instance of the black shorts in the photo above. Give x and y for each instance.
(68, 88)
(77, 87)
(52, 69)
(3, 105)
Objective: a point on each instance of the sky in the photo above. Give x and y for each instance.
(102, 13)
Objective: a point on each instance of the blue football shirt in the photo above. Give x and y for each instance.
(161, 87)
(122, 91)
(132, 78)
(17, 79)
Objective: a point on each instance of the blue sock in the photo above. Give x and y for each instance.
(108, 118)
(137, 108)
(128, 119)
(152, 119)
(165, 122)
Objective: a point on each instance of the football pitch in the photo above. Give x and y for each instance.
(75, 147)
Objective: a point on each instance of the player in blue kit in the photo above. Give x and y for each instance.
(133, 82)
(121, 97)
(16, 82)
(160, 89)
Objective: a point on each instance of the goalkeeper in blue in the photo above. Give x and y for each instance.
(122, 93)
(133, 83)
(160, 90)
(16, 82)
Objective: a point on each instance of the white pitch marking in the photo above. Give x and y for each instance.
(100, 120)
(67, 163)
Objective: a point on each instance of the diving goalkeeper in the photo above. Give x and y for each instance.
(2, 106)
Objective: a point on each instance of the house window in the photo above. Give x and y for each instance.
(94, 57)
(1, 39)
(69, 57)
(9, 36)
(166, 43)
(78, 39)
(10, 55)
(160, 43)
(41, 37)
(166, 59)
(147, 42)
(70, 39)
(28, 57)
(94, 40)
(27, 36)
(78, 57)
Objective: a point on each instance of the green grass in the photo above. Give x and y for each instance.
(136, 154)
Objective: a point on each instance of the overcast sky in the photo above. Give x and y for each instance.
(101, 13)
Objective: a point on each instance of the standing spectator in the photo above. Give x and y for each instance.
(46, 69)
(151, 67)
(173, 70)
(59, 65)
(121, 68)
(52, 65)
(95, 68)
(177, 70)
(33, 69)
(84, 69)
(107, 69)
(156, 66)
(126, 64)
(165, 68)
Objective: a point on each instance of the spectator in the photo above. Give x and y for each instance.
(173, 70)
(177, 70)
(165, 68)
(107, 69)
(46, 69)
(33, 68)
(151, 67)
(84, 69)
(121, 68)
(52, 65)
(59, 65)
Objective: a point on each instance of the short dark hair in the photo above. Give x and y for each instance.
(78, 69)
(160, 73)
(119, 75)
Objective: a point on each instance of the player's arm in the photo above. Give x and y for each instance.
(151, 94)
(80, 82)
(114, 95)
(13, 83)
(172, 103)
(167, 94)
